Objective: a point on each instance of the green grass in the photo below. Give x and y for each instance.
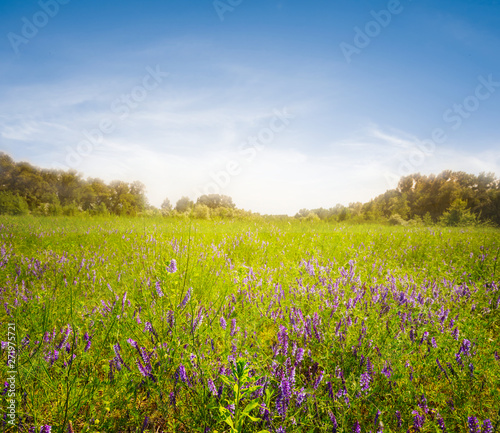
(70, 275)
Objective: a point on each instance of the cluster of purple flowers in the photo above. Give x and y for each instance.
(473, 424)
(172, 267)
(186, 299)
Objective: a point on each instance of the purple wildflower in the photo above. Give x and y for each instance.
(223, 323)
(172, 267)
(455, 333)
(451, 405)
(145, 424)
(172, 399)
(424, 337)
(133, 343)
(356, 428)
(387, 370)
(234, 331)
(186, 299)
(433, 343)
(487, 427)
(283, 339)
(46, 429)
(465, 348)
(148, 327)
(118, 359)
(418, 420)
(182, 374)
(364, 382)
(440, 422)
(318, 379)
(334, 422)
(398, 417)
(211, 387)
(369, 368)
(123, 301)
(158, 289)
(301, 397)
(145, 370)
(299, 356)
(284, 397)
(473, 424)
(281, 429)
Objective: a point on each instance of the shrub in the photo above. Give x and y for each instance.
(12, 204)
(458, 215)
(201, 211)
(396, 220)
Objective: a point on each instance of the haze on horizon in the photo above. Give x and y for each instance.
(279, 104)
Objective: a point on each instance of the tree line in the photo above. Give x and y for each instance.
(451, 198)
(25, 189)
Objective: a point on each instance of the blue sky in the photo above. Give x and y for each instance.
(281, 104)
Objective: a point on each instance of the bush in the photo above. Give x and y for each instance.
(201, 211)
(311, 216)
(12, 204)
(100, 210)
(71, 209)
(458, 215)
(396, 220)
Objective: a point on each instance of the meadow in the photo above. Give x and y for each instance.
(150, 325)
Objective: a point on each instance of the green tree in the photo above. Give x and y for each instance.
(166, 206)
(183, 204)
(213, 201)
(12, 204)
(458, 215)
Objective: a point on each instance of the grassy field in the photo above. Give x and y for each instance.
(212, 326)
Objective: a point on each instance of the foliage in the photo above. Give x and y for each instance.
(12, 204)
(396, 220)
(184, 204)
(214, 201)
(241, 385)
(458, 215)
(138, 325)
(57, 192)
(201, 211)
(425, 197)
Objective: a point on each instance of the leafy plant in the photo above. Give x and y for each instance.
(240, 385)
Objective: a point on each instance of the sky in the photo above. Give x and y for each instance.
(280, 104)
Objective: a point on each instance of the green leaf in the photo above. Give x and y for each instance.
(226, 380)
(252, 389)
(249, 407)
